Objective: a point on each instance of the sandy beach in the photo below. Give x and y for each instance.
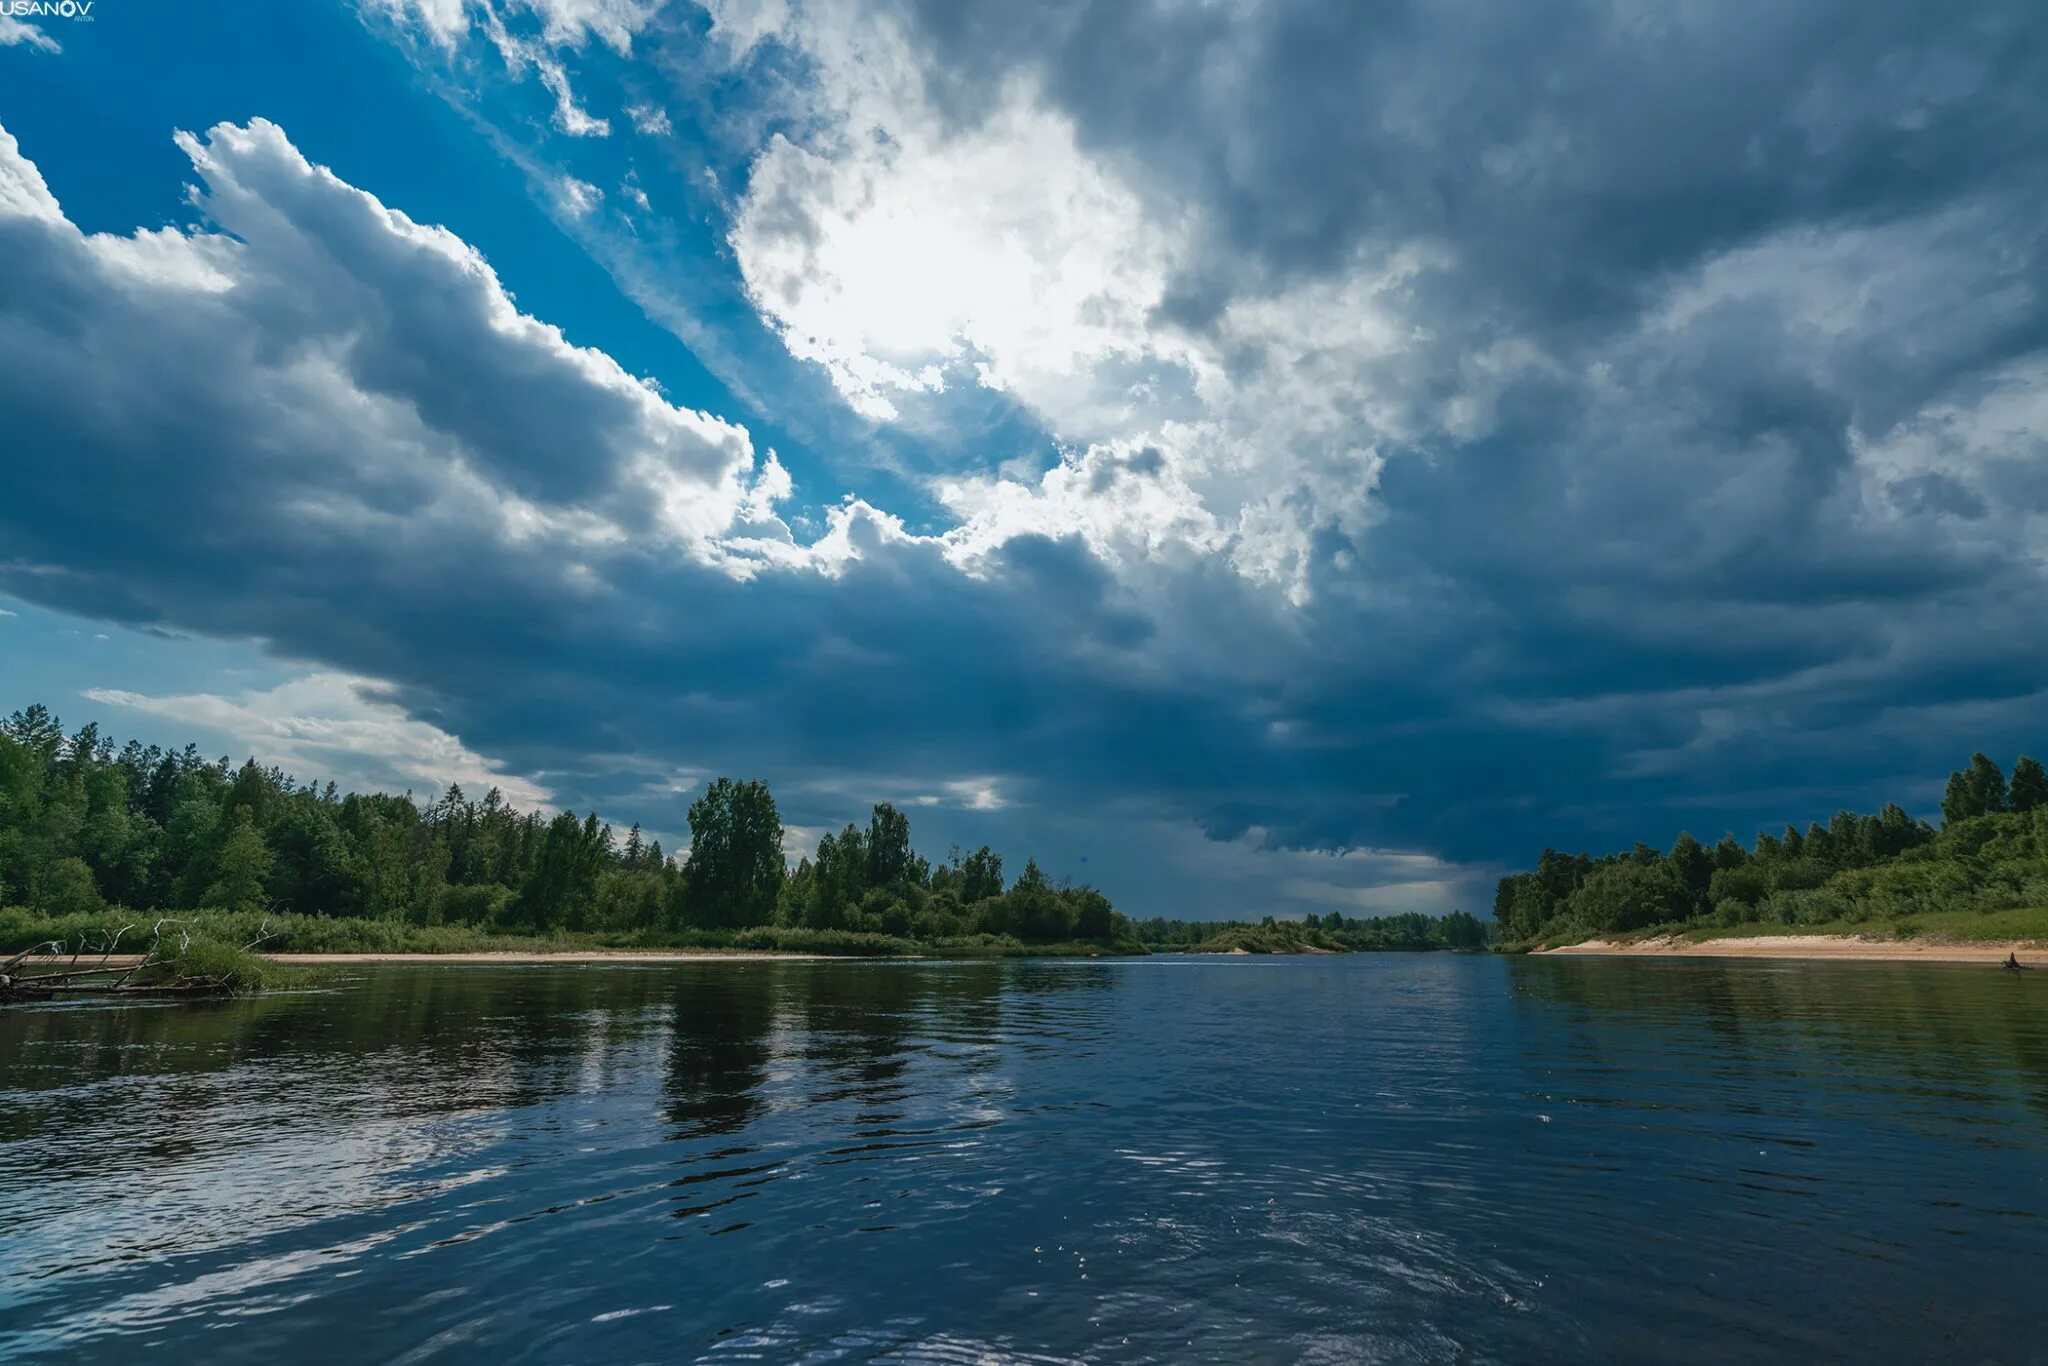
(1815, 946)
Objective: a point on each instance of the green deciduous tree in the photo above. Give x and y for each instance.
(981, 876)
(1631, 896)
(155, 829)
(889, 855)
(1955, 800)
(2029, 788)
(1975, 791)
(1692, 866)
(560, 891)
(735, 869)
(66, 887)
(1986, 785)
(241, 868)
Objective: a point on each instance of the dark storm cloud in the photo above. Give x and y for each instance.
(1747, 537)
(200, 436)
(1569, 150)
(1751, 242)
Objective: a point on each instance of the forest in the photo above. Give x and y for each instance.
(86, 826)
(1888, 871)
(1332, 932)
(90, 830)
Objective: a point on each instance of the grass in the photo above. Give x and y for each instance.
(1284, 938)
(1003, 946)
(239, 971)
(1932, 927)
(182, 959)
(20, 928)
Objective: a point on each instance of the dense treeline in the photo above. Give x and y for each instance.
(1990, 854)
(84, 825)
(1331, 933)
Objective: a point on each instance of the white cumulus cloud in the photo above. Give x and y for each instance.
(14, 33)
(326, 726)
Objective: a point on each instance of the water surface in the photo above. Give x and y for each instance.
(1405, 1158)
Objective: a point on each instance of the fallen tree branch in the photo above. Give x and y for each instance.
(65, 974)
(55, 947)
(169, 964)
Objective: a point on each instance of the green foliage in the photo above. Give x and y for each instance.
(1290, 937)
(2029, 785)
(241, 866)
(1882, 871)
(84, 828)
(1690, 867)
(1978, 790)
(1008, 946)
(735, 870)
(890, 860)
(66, 888)
(472, 905)
(1631, 896)
(1331, 933)
(832, 943)
(568, 862)
(868, 881)
(981, 876)
(1986, 785)
(235, 968)
(22, 928)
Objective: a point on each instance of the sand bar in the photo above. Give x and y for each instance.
(1816, 946)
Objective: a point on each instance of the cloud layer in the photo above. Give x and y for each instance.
(318, 423)
(1447, 428)
(334, 726)
(1631, 409)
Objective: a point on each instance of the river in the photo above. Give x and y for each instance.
(1378, 1157)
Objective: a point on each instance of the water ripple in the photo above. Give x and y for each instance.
(1393, 1159)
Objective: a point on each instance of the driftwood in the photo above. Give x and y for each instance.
(24, 977)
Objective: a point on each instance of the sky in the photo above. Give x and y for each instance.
(1256, 458)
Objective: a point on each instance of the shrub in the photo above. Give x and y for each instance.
(472, 905)
(66, 888)
(1630, 896)
(237, 969)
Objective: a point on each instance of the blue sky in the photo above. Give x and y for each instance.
(1257, 458)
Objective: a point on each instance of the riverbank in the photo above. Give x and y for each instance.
(338, 939)
(2032, 953)
(514, 957)
(500, 957)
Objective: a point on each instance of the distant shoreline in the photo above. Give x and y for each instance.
(519, 956)
(508, 957)
(1848, 948)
